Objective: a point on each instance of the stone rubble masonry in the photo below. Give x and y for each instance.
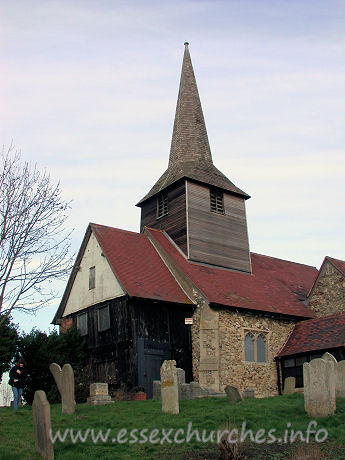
(328, 294)
(289, 385)
(42, 425)
(169, 387)
(319, 388)
(260, 377)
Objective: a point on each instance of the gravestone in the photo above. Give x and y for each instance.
(99, 395)
(339, 370)
(64, 380)
(181, 378)
(329, 357)
(197, 391)
(157, 389)
(249, 393)
(289, 385)
(340, 380)
(42, 425)
(185, 391)
(319, 387)
(169, 387)
(233, 394)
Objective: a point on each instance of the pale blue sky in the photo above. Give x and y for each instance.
(88, 91)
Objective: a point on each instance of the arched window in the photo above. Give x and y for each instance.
(249, 347)
(261, 348)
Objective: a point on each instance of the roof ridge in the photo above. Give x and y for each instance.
(92, 224)
(284, 260)
(341, 313)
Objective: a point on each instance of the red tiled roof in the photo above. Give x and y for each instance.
(316, 334)
(339, 264)
(274, 286)
(137, 265)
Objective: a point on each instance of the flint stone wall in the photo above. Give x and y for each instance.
(328, 294)
(260, 377)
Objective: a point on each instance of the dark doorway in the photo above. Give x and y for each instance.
(150, 358)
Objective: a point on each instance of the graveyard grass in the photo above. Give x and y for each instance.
(17, 439)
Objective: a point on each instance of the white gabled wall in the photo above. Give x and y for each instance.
(106, 287)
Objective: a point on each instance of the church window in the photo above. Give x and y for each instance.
(162, 205)
(217, 201)
(92, 278)
(255, 346)
(103, 318)
(82, 323)
(261, 348)
(249, 347)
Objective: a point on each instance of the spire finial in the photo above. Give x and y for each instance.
(186, 43)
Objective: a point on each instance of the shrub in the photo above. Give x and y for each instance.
(39, 350)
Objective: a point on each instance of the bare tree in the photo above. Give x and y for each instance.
(34, 246)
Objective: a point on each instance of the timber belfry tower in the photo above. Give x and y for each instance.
(200, 209)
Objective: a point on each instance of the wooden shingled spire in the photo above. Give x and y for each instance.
(190, 153)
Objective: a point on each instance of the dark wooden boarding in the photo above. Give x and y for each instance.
(142, 334)
(174, 223)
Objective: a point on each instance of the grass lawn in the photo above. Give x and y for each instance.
(17, 440)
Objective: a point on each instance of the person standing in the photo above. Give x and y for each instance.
(18, 375)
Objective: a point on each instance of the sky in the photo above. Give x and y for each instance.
(88, 92)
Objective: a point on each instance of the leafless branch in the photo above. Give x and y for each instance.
(34, 246)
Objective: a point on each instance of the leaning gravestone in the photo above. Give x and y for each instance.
(289, 385)
(319, 388)
(42, 425)
(169, 387)
(64, 380)
(233, 394)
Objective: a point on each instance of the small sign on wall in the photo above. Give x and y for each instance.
(188, 320)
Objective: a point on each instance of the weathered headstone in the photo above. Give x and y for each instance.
(289, 385)
(65, 382)
(181, 378)
(185, 391)
(233, 394)
(329, 357)
(42, 425)
(340, 380)
(169, 387)
(249, 393)
(319, 388)
(197, 391)
(339, 369)
(99, 395)
(157, 389)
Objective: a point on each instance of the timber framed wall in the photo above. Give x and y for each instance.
(217, 239)
(174, 223)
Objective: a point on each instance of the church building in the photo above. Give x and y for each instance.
(188, 288)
